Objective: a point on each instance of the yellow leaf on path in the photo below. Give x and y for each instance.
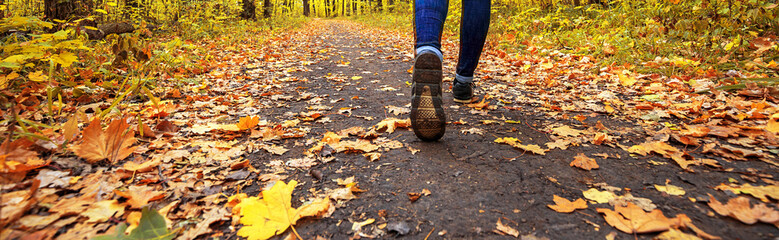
(273, 213)
(772, 126)
(248, 122)
(103, 210)
(566, 131)
(760, 192)
(673, 234)
(65, 58)
(390, 124)
(626, 81)
(506, 229)
(670, 189)
(584, 162)
(331, 138)
(599, 196)
(37, 76)
(112, 144)
(563, 205)
(516, 143)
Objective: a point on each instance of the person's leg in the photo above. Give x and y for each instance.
(429, 18)
(473, 32)
(427, 113)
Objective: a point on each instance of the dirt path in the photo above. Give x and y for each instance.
(350, 75)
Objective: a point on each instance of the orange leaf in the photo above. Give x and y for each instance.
(633, 219)
(16, 158)
(564, 206)
(112, 144)
(138, 196)
(739, 208)
(584, 162)
(248, 122)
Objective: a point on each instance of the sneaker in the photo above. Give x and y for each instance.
(427, 114)
(462, 92)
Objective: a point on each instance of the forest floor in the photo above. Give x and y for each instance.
(649, 142)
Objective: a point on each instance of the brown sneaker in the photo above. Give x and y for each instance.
(427, 114)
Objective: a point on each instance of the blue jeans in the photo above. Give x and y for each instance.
(429, 17)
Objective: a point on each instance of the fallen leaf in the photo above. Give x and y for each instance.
(673, 234)
(506, 229)
(272, 214)
(516, 143)
(151, 225)
(599, 196)
(626, 81)
(740, 209)
(566, 131)
(760, 192)
(563, 205)
(213, 215)
(248, 122)
(633, 219)
(584, 162)
(113, 144)
(16, 158)
(103, 210)
(139, 196)
(390, 124)
(670, 189)
(372, 156)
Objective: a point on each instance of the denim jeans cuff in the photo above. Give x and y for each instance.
(463, 79)
(432, 49)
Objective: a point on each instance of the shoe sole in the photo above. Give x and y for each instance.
(464, 101)
(427, 114)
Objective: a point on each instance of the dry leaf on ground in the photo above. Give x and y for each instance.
(113, 144)
(584, 162)
(563, 205)
(760, 192)
(739, 208)
(506, 229)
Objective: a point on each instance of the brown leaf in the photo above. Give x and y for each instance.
(112, 144)
(584, 162)
(214, 215)
(16, 158)
(563, 205)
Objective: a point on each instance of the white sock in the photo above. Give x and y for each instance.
(432, 49)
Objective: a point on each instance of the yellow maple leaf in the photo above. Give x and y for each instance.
(273, 214)
(112, 144)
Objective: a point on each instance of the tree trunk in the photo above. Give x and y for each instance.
(267, 7)
(248, 9)
(66, 9)
(306, 8)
